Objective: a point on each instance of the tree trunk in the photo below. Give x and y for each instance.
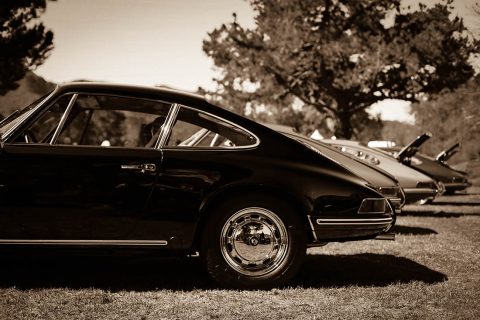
(343, 128)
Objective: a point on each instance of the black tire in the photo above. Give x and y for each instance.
(233, 262)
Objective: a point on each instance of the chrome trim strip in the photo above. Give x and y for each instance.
(257, 140)
(373, 221)
(356, 224)
(88, 242)
(63, 119)
(354, 220)
(389, 205)
(404, 198)
(309, 217)
(167, 126)
(7, 134)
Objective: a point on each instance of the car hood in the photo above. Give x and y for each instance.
(445, 155)
(437, 170)
(412, 148)
(408, 177)
(373, 175)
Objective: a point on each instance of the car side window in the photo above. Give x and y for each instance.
(114, 121)
(195, 129)
(44, 124)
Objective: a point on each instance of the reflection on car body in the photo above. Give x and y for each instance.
(103, 165)
(253, 234)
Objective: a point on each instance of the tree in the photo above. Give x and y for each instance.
(24, 43)
(476, 13)
(338, 56)
(453, 116)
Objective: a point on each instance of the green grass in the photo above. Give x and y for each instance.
(431, 271)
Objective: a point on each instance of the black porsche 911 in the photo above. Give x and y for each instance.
(102, 165)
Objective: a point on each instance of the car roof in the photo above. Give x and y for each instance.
(178, 96)
(131, 89)
(154, 93)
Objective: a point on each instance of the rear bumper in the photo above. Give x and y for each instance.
(349, 228)
(456, 186)
(374, 217)
(416, 194)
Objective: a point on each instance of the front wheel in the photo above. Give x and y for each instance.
(253, 244)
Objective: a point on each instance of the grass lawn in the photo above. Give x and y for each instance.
(431, 271)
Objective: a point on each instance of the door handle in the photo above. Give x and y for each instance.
(144, 167)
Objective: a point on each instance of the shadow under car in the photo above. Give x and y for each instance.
(147, 273)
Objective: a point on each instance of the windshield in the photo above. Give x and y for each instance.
(18, 115)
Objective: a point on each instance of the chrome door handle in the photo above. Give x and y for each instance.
(144, 167)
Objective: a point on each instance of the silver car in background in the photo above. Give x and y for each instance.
(417, 186)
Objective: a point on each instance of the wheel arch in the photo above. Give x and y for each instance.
(301, 206)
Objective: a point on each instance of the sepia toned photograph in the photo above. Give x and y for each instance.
(239, 159)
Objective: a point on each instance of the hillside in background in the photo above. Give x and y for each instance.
(30, 88)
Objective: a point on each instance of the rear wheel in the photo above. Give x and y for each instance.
(253, 243)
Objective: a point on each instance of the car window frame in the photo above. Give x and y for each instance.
(53, 141)
(163, 145)
(165, 130)
(21, 119)
(63, 119)
(79, 93)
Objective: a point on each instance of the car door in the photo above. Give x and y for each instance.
(200, 153)
(82, 169)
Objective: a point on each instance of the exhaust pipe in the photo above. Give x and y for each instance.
(386, 236)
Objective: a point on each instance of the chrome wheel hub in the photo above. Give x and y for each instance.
(254, 241)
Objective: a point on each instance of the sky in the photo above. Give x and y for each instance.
(155, 42)
(145, 42)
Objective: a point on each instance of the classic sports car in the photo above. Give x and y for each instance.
(417, 186)
(437, 168)
(102, 165)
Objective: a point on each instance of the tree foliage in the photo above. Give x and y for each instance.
(453, 116)
(338, 56)
(24, 42)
